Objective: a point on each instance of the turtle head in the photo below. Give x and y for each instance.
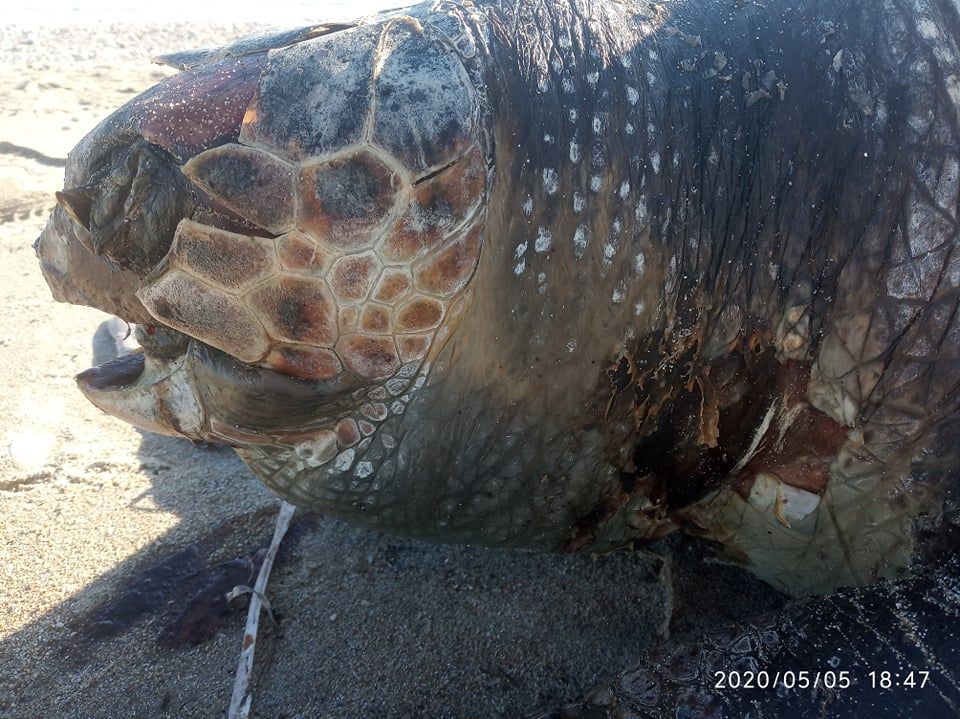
(286, 233)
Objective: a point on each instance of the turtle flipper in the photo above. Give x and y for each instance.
(888, 650)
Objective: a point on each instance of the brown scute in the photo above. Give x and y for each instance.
(392, 285)
(439, 206)
(413, 347)
(303, 362)
(201, 107)
(425, 104)
(419, 314)
(352, 277)
(299, 253)
(349, 319)
(227, 259)
(347, 431)
(295, 309)
(250, 182)
(346, 200)
(182, 302)
(449, 271)
(369, 357)
(376, 319)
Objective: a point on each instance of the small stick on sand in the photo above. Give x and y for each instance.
(242, 698)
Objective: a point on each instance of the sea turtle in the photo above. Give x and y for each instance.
(568, 275)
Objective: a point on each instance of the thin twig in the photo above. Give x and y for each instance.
(241, 700)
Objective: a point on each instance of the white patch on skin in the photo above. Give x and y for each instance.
(571, 346)
(574, 152)
(651, 78)
(596, 182)
(655, 162)
(593, 77)
(640, 213)
(633, 96)
(364, 470)
(928, 29)
(521, 248)
(638, 263)
(624, 189)
(573, 115)
(344, 460)
(548, 138)
(564, 41)
(597, 124)
(578, 202)
(520, 267)
(651, 130)
(551, 181)
(953, 89)
(617, 226)
(626, 61)
(609, 250)
(543, 84)
(567, 84)
(619, 293)
(580, 241)
(557, 65)
(638, 308)
(714, 158)
(397, 407)
(628, 128)
(544, 240)
(652, 54)
(389, 441)
(528, 206)
(541, 283)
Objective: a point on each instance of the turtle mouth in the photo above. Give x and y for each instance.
(116, 374)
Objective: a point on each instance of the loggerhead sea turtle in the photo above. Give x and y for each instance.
(565, 275)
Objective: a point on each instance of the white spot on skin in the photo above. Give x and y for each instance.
(609, 250)
(593, 77)
(617, 226)
(655, 162)
(638, 263)
(626, 61)
(596, 182)
(573, 115)
(543, 85)
(567, 84)
(571, 346)
(388, 441)
(397, 407)
(714, 158)
(364, 470)
(638, 308)
(548, 138)
(928, 29)
(520, 267)
(628, 128)
(521, 248)
(578, 202)
(624, 189)
(528, 206)
(551, 181)
(597, 124)
(544, 240)
(574, 152)
(580, 241)
(640, 213)
(651, 78)
(633, 97)
(619, 293)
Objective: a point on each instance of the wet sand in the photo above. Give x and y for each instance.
(116, 547)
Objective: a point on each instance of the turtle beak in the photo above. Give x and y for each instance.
(152, 393)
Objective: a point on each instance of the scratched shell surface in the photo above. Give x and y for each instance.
(358, 158)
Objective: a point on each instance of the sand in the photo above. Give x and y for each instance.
(116, 547)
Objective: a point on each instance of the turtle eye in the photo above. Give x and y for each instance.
(77, 204)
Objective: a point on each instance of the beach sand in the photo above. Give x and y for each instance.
(116, 547)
